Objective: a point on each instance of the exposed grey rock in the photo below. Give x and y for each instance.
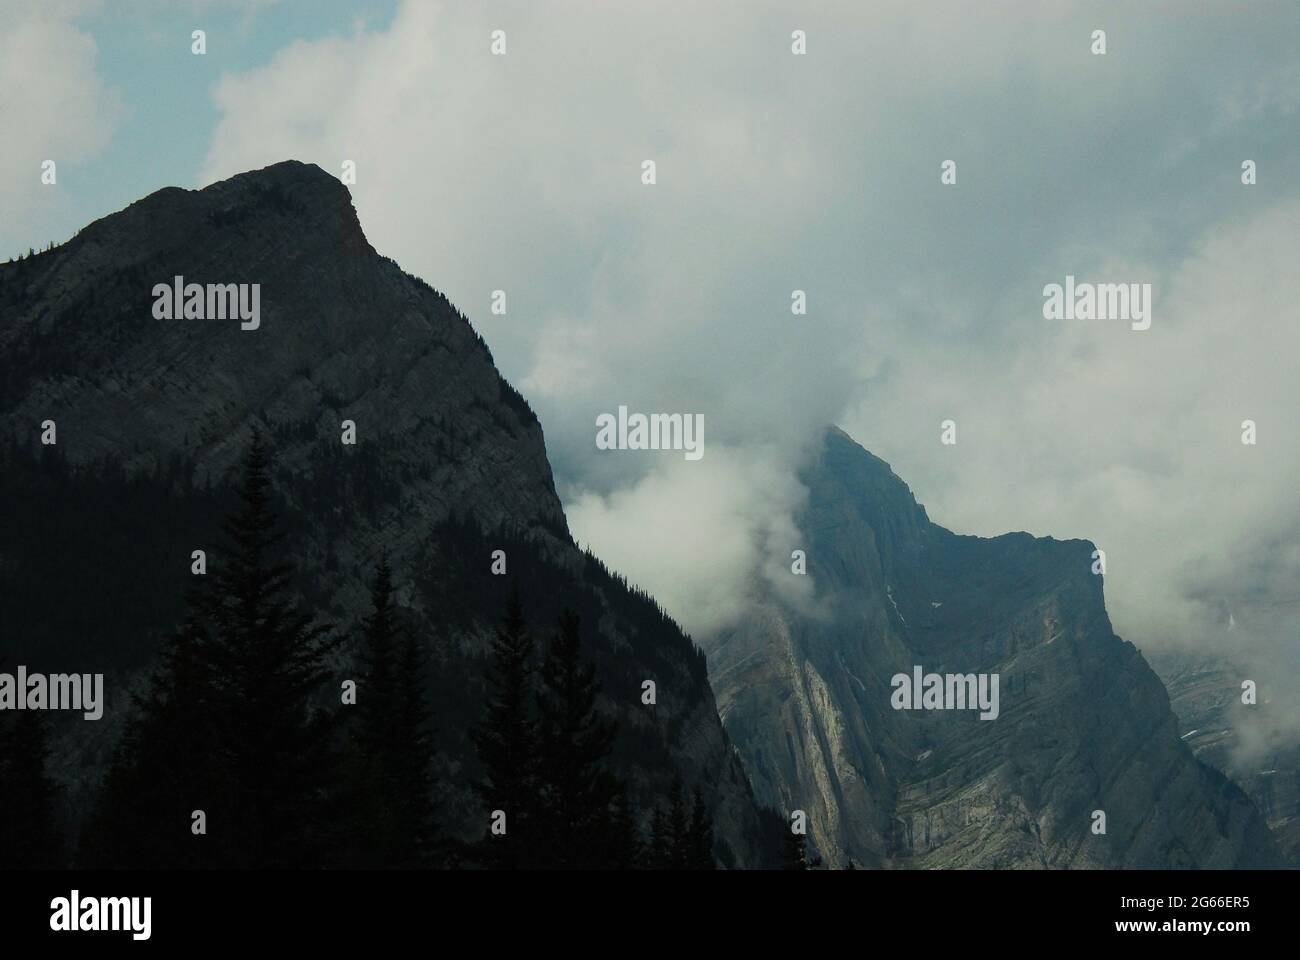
(1084, 724)
(1244, 742)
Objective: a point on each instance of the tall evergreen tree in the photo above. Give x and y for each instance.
(167, 765)
(394, 737)
(414, 766)
(268, 662)
(679, 840)
(700, 834)
(507, 746)
(626, 851)
(227, 725)
(576, 790)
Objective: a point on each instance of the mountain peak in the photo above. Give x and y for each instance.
(304, 182)
(151, 346)
(844, 449)
(289, 170)
(338, 329)
(285, 197)
(1083, 724)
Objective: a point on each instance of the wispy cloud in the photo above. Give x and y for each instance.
(821, 173)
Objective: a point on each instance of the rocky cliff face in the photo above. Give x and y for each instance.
(1247, 743)
(344, 334)
(1083, 725)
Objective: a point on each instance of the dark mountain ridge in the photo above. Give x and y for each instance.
(153, 415)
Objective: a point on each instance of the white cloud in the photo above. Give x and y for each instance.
(1131, 439)
(694, 529)
(822, 173)
(54, 105)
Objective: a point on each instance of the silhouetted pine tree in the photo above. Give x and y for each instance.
(414, 768)
(679, 842)
(575, 788)
(395, 821)
(167, 765)
(268, 663)
(700, 834)
(226, 725)
(29, 839)
(626, 849)
(507, 746)
(679, 839)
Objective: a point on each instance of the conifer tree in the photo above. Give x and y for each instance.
(413, 769)
(227, 725)
(577, 791)
(625, 848)
(700, 835)
(396, 818)
(507, 745)
(679, 840)
(167, 765)
(267, 659)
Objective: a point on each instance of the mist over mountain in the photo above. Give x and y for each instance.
(1252, 744)
(794, 708)
(1084, 724)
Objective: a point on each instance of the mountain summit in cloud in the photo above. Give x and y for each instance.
(1081, 766)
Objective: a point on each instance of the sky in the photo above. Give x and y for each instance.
(778, 172)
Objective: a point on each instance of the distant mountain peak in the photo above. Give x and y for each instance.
(1083, 723)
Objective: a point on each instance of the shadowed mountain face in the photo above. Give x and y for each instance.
(1084, 724)
(1246, 743)
(152, 416)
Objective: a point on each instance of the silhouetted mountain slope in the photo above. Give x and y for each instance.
(1084, 723)
(152, 416)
